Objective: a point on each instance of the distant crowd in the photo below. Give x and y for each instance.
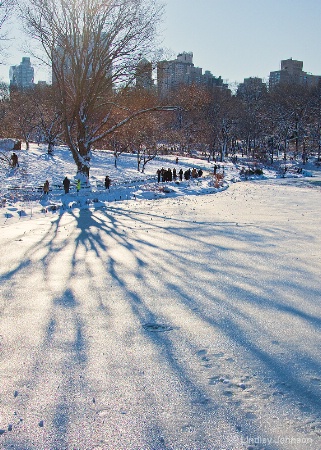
(165, 175)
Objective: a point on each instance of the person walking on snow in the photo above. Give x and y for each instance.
(14, 160)
(78, 186)
(107, 182)
(46, 187)
(66, 184)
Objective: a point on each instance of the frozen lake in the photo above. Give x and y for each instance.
(185, 323)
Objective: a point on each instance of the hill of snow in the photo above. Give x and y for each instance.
(21, 188)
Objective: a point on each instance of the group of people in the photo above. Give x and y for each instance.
(218, 167)
(66, 184)
(165, 175)
(194, 173)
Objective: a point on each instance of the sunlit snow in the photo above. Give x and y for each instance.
(144, 318)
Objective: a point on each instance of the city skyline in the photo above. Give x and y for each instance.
(237, 40)
(234, 40)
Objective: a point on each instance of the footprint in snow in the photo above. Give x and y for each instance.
(201, 352)
(228, 393)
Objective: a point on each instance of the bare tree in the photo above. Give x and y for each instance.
(187, 129)
(315, 121)
(146, 140)
(48, 116)
(93, 46)
(6, 10)
(21, 118)
(6, 7)
(289, 104)
(141, 136)
(4, 107)
(117, 146)
(221, 115)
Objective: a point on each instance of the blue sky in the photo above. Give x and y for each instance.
(241, 38)
(232, 38)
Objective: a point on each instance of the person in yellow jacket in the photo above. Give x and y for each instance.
(78, 186)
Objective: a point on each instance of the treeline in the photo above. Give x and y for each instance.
(257, 123)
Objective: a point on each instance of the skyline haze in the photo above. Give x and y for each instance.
(233, 40)
(237, 40)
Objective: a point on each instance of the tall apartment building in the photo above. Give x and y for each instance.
(144, 75)
(292, 72)
(172, 74)
(22, 76)
(252, 87)
(209, 80)
(181, 71)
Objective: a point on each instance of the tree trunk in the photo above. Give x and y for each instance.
(50, 148)
(81, 156)
(83, 169)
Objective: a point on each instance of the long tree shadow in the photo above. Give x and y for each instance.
(147, 264)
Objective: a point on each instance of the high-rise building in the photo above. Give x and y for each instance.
(252, 87)
(144, 75)
(22, 76)
(172, 74)
(181, 71)
(292, 72)
(209, 80)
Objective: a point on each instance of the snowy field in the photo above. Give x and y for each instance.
(138, 319)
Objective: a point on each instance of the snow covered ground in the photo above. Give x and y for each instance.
(21, 189)
(139, 319)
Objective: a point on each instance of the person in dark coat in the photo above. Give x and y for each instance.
(14, 160)
(66, 184)
(107, 182)
(158, 175)
(46, 187)
(174, 174)
(163, 174)
(180, 174)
